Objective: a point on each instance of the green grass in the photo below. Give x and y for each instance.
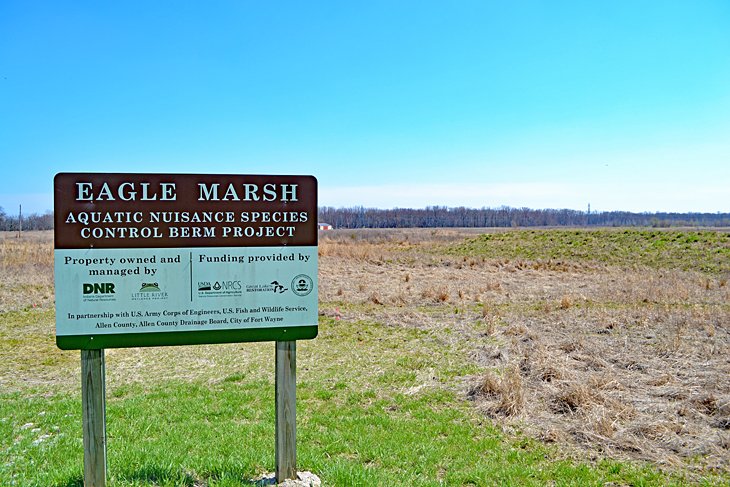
(705, 251)
(376, 406)
(182, 433)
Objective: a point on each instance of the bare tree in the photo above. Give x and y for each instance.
(504, 216)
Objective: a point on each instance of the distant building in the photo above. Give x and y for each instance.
(324, 226)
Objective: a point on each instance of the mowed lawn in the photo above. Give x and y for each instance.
(389, 393)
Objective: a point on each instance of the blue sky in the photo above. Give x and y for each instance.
(549, 104)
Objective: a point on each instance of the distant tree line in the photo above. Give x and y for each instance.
(442, 216)
(33, 221)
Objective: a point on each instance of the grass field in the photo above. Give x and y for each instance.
(704, 251)
(445, 357)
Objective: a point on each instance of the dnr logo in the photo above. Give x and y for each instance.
(99, 288)
(98, 291)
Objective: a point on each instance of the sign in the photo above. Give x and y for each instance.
(174, 259)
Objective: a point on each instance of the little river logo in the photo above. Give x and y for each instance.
(149, 291)
(210, 289)
(98, 291)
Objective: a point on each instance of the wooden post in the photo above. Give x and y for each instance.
(93, 392)
(286, 410)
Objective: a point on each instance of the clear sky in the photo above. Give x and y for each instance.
(547, 104)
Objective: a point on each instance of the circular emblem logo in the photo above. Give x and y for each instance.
(302, 285)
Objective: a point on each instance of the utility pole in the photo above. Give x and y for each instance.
(20, 220)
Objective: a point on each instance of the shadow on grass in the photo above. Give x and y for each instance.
(72, 482)
(155, 475)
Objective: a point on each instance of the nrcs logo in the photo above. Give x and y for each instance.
(227, 285)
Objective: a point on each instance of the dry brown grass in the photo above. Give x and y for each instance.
(26, 270)
(507, 389)
(614, 362)
(604, 361)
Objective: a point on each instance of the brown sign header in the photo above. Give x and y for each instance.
(96, 210)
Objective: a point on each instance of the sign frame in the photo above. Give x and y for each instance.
(281, 197)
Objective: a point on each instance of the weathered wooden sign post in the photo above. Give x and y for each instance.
(179, 259)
